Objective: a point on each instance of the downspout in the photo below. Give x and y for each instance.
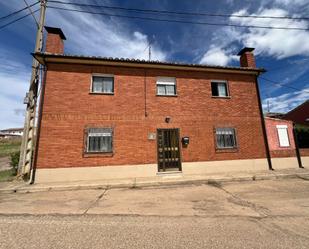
(270, 167)
(145, 92)
(33, 171)
(300, 165)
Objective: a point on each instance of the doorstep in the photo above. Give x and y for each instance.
(170, 174)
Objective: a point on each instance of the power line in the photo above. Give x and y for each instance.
(177, 21)
(178, 12)
(283, 85)
(37, 24)
(18, 11)
(18, 19)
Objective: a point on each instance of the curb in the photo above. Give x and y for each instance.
(162, 183)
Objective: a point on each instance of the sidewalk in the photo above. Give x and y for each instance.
(167, 179)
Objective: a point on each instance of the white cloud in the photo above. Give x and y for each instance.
(102, 36)
(217, 56)
(286, 102)
(291, 2)
(14, 81)
(273, 42)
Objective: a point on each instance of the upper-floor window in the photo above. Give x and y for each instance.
(283, 135)
(99, 140)
(226, 138)
(166, 86)
(102, 84)
(219, 89)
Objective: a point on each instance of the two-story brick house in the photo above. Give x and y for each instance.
(108, 118)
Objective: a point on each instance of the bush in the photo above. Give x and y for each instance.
(302, 133)
(14, 161)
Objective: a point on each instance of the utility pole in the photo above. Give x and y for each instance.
(28, 140)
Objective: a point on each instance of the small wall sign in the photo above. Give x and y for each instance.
(151, 136)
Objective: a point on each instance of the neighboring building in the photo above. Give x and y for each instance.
(282, 144)
(106, 118)
(300, 114)
(280, 137)
(12, 132)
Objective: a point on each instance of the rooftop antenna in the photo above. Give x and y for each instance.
(151, 40)
(268, 106)
(268, 101)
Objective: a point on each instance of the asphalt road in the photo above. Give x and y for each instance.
(263, 214)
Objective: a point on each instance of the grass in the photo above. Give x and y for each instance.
(8, 146)
(7, 175)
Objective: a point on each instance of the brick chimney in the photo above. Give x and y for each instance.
(247, 57)
(54, 40)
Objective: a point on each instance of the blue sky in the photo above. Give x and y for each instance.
(284, 53)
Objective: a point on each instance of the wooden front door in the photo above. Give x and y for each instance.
(168, 150)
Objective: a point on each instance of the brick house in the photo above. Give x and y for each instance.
(281, 142)
(11, 133)
(107, 118)
(300, 114)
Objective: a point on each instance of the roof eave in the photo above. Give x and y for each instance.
(44, 59)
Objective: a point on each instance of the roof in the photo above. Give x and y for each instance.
(274, 114)
(279, 119)
(297, 107)
(45, 58)
(55, 31)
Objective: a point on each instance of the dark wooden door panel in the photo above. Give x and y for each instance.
(168, 150)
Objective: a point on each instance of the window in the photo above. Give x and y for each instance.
(283, 135)
(100, 140)
(102, 84)
(219, 89)
(166, 86)
(225, 138)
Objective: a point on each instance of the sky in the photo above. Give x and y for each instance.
(283, 53)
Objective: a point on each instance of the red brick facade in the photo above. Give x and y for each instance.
(273, 139)
(135, 110)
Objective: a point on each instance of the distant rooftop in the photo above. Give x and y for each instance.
(12, 129)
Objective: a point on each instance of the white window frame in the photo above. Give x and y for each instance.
(168, 83)
(102, 75)
(281, 139)
(227, 88)
(110, 133)
(235, 146)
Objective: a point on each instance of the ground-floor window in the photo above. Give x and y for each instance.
(99, 140)
(226, 138)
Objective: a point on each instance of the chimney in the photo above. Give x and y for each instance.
(54, 40)
(247, 57)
